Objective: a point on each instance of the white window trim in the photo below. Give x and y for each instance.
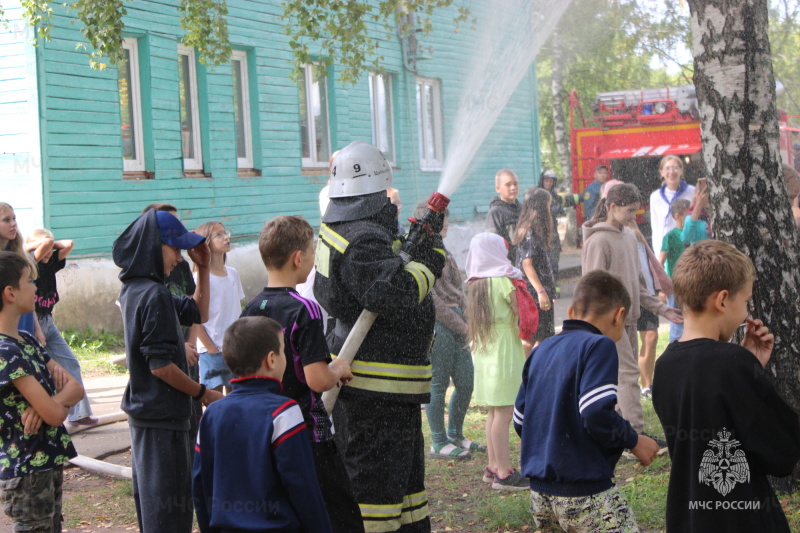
(247, 161)
(431, 165)
(135, 93)
(376, 119)
(195, 163)
(312, 161)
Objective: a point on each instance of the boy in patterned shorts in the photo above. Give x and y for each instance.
(35, 397)
(572, 437)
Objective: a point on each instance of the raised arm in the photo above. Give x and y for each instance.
(64, 248)
(40, 247)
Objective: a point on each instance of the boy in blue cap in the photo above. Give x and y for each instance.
(159, 394)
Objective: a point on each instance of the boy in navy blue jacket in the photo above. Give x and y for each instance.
(572, 437)
(253, 468)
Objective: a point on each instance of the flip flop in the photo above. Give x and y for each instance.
(450, 452)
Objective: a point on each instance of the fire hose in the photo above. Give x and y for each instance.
(421, 229)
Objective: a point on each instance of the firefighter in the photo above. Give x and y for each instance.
(358, 268)
(560, 201)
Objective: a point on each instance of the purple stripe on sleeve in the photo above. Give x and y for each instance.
(298, 364)
(313, 308)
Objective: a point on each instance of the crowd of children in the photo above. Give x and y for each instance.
(574, 397)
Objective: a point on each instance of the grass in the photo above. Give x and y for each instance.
(459, 501)
(100, 502)
(95, 350)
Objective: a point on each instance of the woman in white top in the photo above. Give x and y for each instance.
(672, 188)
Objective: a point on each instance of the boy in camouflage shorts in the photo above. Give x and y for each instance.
(35, 397)
(572, 437)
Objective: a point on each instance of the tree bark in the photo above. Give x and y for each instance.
(736, 99)
(559, 118)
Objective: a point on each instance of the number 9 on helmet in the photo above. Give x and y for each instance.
(358, 169)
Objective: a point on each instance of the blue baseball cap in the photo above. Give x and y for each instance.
(174, 233)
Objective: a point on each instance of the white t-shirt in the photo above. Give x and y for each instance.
(224, 307)
(661, 222)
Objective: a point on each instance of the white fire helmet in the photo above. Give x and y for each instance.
(358, 169)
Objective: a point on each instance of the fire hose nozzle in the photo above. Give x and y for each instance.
(430, 223)
(438, 202)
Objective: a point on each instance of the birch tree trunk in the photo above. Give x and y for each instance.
(736, 98)
(562, 135)
(559, 117)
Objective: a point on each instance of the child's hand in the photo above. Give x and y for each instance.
(674, 315)
(210, 397)
(200, 255)
(31, 420)
(60, 377)
(645, 450)
(191, 353)
(544, 301)
(342, 368)
(759, 340)
(40, 337)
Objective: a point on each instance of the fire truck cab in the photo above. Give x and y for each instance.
(631, 131)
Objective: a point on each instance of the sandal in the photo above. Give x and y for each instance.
(469, 445)
(449, 451)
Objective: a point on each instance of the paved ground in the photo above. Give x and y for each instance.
(105, 394)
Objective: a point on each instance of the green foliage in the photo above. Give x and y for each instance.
(613, 50)
(101, 24)
(90, 341)
(206, 29)
(95, 350)
(38, 13)
(339, 30)
(784, 37)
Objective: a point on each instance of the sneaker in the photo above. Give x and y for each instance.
(646, 393)
(488, 475)
(513, 481)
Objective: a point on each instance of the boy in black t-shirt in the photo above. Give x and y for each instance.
(286, 245)
(726, 427)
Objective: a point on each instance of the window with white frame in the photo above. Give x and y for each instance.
(190, 114)
(314, 125)
(130, 107)
(380, 99)
(241, 110)
(429, 118)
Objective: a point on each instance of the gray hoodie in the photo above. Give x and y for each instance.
(606, 247)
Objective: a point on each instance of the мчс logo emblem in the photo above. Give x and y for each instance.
(723, 467)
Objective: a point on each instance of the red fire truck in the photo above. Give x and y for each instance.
(631, 131)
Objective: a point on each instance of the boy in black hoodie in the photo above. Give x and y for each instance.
(159, 394)
(504, 209)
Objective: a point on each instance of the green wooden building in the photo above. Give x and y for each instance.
(82, 151)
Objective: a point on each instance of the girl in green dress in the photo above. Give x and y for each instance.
(497, 349)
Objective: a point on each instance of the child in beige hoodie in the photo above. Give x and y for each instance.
(608, 245)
